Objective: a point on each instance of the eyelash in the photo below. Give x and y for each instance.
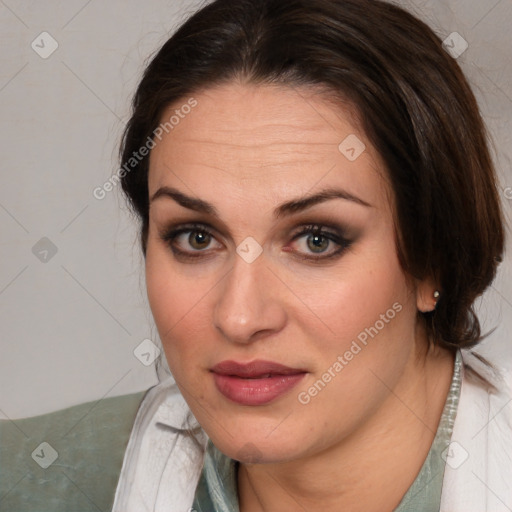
(169, 236)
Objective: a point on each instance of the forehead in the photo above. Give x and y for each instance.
(264, 140)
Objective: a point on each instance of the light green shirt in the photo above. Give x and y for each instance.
(68, 460)
(217, 487)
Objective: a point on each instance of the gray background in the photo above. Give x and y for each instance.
(70, 322)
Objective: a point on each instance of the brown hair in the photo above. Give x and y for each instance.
(415, 106)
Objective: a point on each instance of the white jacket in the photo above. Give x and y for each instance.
(162, 464)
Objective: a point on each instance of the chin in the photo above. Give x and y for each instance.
(261, 448)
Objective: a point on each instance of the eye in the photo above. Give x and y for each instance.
(316, 241)
(186, 240)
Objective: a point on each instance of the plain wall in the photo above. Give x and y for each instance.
(69, 325)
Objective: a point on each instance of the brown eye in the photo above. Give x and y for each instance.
(190, 241)
(199, 239)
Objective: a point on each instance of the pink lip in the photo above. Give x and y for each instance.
(255, 383)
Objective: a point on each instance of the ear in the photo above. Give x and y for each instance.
(426, 292)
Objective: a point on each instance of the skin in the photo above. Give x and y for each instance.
(360, 442)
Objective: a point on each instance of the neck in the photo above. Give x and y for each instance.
(371, 469)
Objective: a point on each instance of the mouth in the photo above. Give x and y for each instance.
(255, 383)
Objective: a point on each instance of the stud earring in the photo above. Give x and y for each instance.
(436, 297)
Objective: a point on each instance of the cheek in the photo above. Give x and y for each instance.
(367, 291)
(179, 307)
(371, 321)
(168, 295)
(363, 354)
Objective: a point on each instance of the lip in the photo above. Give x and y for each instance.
(255, 383)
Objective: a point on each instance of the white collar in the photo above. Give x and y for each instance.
(173, 411)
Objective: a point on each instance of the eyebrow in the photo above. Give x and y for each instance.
(287, 208)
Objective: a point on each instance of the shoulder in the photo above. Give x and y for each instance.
(68, 459)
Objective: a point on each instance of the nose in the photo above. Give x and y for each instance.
(248, 305)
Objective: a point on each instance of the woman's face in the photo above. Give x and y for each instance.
(269, 241)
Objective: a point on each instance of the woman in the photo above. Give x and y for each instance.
(318, 214)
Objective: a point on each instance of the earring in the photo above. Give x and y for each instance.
(436, 296)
